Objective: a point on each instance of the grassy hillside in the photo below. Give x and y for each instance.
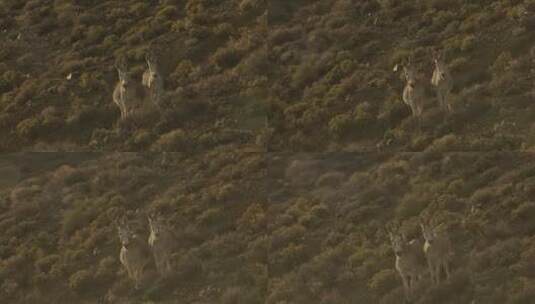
(329, 212)
(60, 244)
(212, 52)
(334, 87)
(304, 223)
(287, 228)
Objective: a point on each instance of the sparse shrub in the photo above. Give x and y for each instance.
(253, 219)
(176, 140)
(383, 281)
(364, 118)
(468, 43)
(77, 218)
(333, 179)
(523, 214)
(412, 204)
(81, 281)
(341, 125)
(227, 57)
(210, 216)
(29, 128)
(447, 143)
(168, 12)
(23, 194)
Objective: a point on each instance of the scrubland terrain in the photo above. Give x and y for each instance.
(213, 54)
(60, 243)
(334, 87)
(283, 228)
(304, 222)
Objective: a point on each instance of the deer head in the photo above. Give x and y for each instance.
(121, 67)
(428, 232)
(410, 72)
(125, 232)
(152, 62)
(397, 239)
(157, 223)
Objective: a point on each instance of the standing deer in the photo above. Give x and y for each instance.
(409, 262)
(152, 78)
(442, 81)
(265, 135)
(162, 242)
(127, 94)
(134, 256)
(414, 92)
(438, 251)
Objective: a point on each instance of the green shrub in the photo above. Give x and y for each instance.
(341, 125)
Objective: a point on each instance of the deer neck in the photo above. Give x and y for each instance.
(152, 238)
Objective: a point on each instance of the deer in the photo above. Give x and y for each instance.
(264, 136)
(409, 262)
(438, 251)
(134, 255)
(127, 94)
(152, 78)
(442, 81)
(162, 242)
(414, 92)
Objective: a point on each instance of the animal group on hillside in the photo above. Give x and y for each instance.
(411, 255)
(137, 254)
(130, 95)
(414, 90)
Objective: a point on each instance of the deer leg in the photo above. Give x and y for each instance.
(168, 267)
(158, 264)
(431, 271)
(448, 102)
(440, 96)
(129, 271)
(414, 113)
(406, 287)
(123, 111)
(447, 269)
(438, 267)
(136, 280)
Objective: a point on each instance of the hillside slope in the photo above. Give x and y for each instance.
(57, 72)
(334, 87)
(305, 223)
(329, 214)
(287, 228)
(60, 244)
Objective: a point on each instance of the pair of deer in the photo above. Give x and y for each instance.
(414, 91)
(129, 95)
(437, 250)
(136, 254)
